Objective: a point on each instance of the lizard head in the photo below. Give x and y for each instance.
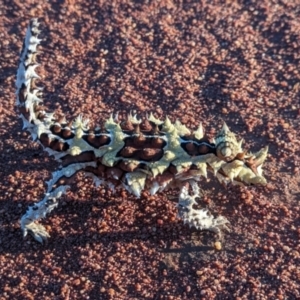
(240, 167)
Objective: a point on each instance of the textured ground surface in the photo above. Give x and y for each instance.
(234, 61)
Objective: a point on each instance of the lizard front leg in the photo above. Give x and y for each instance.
(199, 218)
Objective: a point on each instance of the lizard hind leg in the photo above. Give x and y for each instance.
(39, 210)
(34, 213)
(57, 186)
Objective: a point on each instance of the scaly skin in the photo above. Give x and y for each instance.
(139, 155)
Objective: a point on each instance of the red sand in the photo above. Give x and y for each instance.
(235, 62)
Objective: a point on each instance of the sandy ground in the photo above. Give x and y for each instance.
(235, 61)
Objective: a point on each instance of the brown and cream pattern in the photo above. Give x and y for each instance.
(134, 154)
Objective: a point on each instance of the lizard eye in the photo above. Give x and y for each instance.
(226, 151)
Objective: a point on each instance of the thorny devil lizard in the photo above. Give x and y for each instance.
(137, 155)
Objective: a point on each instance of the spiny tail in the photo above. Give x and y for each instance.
(28, 95)
(36, 120)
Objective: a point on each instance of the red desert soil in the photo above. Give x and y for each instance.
(237, 61)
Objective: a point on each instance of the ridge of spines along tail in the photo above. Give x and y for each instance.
(46, 129)
(36, 120)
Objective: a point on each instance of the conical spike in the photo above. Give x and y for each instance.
(129, 116)
(30, 72)
(116, 118)
(199, 133)
(151, 118)
(240, 143)
(167, 122)
(133, 119)
(168, 126)
(225, 128)
(110, 123)
(225, 134)
(261, 156)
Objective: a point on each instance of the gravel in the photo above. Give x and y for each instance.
(233, 61)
